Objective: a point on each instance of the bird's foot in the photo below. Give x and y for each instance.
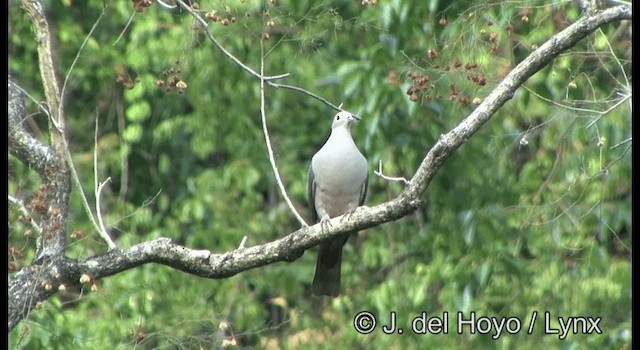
(325, 223)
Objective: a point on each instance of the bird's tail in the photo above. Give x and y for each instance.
(326, 280)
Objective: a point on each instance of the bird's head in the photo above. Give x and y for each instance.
(343, 119)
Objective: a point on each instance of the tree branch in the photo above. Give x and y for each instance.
(204, 263)
(34, 284)
(308, 93)
(55, 188)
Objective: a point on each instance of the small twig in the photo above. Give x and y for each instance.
(578, 109)
(621, 143)
(295, 88)
(124, 30)
(169, 7)
(272, 160)
(102, 231)
(73, 64)
(389, 178)
(602, 114)
(41, 105)
(243, 242)
(25, 212)
(221, 48)
(83, 197)
(606, 168)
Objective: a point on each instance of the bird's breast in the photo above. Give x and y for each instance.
(339, 177)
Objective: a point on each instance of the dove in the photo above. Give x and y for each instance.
(338, 180)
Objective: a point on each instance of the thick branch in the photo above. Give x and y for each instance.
(26, 290)
(56, 183)
(206, 264)
(22, 144)
(37, 283)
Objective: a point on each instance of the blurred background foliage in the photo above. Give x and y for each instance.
(533, 213)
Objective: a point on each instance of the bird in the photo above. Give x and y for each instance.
(337, 184)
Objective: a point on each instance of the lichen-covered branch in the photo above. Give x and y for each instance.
(56, 183)
(22, 145)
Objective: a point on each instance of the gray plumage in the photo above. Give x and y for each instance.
(338, 179)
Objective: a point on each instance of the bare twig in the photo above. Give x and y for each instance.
(98, 224)
(167, 5)
(621, 143)
(83, 197)
(389, 178)
(243, 242)
(124, 30)
(308, 93)
(102, 231)
(579, 109)
(41, 105)
(599, 114)
(75, 59)
(603, 113)
(272, 160)
(25, 212)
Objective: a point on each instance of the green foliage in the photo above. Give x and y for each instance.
(532, 214)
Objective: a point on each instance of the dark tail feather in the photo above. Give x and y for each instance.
(326, 280)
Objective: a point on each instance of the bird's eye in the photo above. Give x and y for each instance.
(337, 117)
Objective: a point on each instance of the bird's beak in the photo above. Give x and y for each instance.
(355, 117)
